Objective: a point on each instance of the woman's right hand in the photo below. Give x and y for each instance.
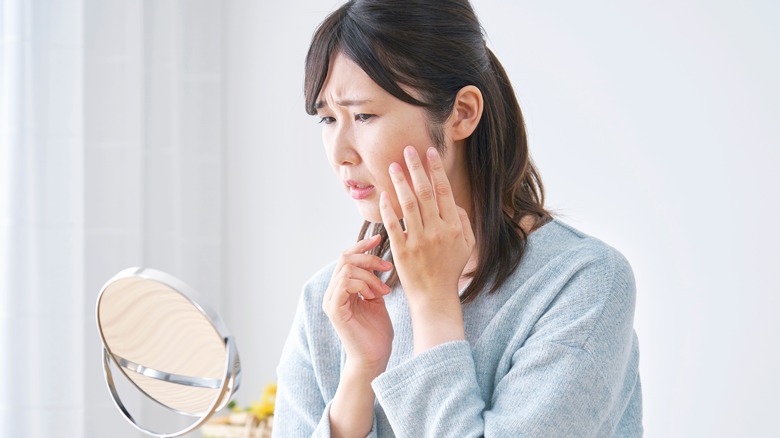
(354, 303)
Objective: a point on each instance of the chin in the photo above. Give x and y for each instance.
(370, 213)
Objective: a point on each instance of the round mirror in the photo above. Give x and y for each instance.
(174, 349)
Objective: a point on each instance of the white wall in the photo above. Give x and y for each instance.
(284, 216)
(654, 126)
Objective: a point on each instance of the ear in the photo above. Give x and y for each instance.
(466, 113)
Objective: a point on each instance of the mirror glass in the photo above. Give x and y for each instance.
(172, 347)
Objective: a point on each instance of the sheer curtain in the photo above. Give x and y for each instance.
(42, 215)
(111, 155)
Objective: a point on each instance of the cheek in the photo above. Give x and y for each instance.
(379, 165)
(377, 151)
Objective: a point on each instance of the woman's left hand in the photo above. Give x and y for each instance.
(432, 252)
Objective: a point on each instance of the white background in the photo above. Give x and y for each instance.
(654, 125)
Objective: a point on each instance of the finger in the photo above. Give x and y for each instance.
(369, 262)
(376, 286)
(348, 288)
(360, 266)
(364, 245)
(360, 247)
(406, 198)
(441, 186)
(393, 226)
(355, 255)
(465, 223)
(343, 289)
(422, 186)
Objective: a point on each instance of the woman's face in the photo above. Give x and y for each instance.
(365, 128)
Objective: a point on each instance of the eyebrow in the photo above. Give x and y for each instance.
(349, 102)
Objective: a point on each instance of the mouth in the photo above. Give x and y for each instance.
(359, 190)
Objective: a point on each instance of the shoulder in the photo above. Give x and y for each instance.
(582, 285)
(565, 250)
(600, 263)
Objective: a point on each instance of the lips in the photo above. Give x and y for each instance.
(359, 190)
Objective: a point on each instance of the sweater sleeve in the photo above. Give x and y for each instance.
(571, 377)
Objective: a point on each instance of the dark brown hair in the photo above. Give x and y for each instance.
(437, 48)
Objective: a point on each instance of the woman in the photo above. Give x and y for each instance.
(464, 309)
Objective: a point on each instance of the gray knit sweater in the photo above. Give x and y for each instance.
(552, 353)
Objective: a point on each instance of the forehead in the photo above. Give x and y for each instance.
(346, 80)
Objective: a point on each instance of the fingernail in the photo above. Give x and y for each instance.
(432, 152)
(386, 264)
(395, 168)
(409, 151)
(383, 197)
(386, 287)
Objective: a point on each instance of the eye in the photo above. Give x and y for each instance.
(363, 117)
(327, 120)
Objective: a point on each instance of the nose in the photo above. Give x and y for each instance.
(342, 148)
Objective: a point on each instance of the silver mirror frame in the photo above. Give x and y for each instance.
(227, 387)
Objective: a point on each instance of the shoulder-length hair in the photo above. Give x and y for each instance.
(436, 48)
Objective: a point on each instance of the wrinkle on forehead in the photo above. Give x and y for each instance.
(346, 84)
(343, 103)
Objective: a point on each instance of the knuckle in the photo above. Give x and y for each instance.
(376, 262)
(392, 227)
(409, 205)
(425, 193)
(442, 188)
